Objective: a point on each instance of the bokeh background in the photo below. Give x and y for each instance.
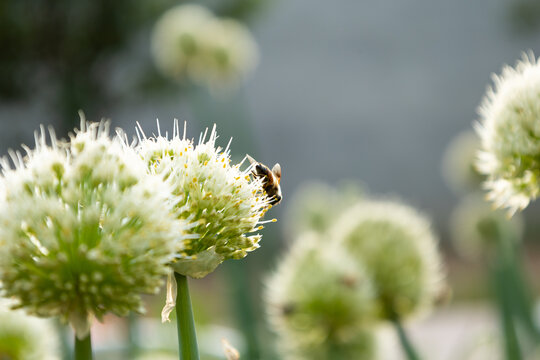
(369, 92)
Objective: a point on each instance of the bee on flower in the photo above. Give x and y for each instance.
(223, 203)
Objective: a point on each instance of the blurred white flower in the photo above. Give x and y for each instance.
(24, 337)
(321, 303)
(509, 130)
(476, 227)
(189, 41)
(458, 166)
(83, 228)
(315, 206)
(399, 251)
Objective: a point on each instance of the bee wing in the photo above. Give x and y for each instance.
(276, 170)
(252, 160)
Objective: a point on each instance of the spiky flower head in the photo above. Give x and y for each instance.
(316, 206)
(509, 130)
(83, 228)
(24, 337)
(321, 303)
(398, 249)
(223, 203)
(458, 166)
(477, 228)
(189, 41)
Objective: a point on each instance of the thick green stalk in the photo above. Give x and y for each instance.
(521, 295)
(187, 338)
(511, 344)
(509, 301)
(406, 344)
(83, 348)
(133, 345)
(243, 306)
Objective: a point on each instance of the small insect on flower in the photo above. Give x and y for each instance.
(271, 179)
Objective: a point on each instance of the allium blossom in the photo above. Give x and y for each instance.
(321, 303)
(189, 41)
(223, 203)
(509, 130)
(398, 249)
(458, 166)
(316, 206)
(83, 228)
(24, 337)
(476, 228)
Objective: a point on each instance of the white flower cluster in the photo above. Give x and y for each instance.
(322, 303)
(188, 41)
(24, 337)
(376, 262)
(476, 228)
(509, 129)
(83, 228)
(458, 165)
(396, 244)
(221, 202)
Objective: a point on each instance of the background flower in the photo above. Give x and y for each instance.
(189, 41)
(510, 131)
(321, 303)
(398, 249)
(458, 165)
(24, 337)
(316, 206)
(476, 227)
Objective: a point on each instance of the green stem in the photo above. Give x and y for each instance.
(504, 301)
(83, 348)
(503, 273)
(133, 347)
(404, 340)
(243, 306)
(187, 338)
(521, 295)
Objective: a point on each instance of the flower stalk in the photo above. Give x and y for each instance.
(500, 281)
(512, 297)
(187, 338)
(404, 340)
(83, 348)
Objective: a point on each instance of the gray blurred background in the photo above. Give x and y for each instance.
(364, 90)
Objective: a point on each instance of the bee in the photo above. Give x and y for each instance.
(271, 179)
